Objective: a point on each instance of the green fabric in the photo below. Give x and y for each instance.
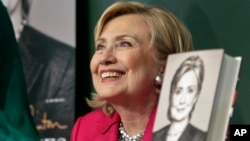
(16, 123)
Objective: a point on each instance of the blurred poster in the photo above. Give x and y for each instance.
(45, 31)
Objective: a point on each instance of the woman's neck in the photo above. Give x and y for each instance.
(176, 129)
(135, 116)
(178, 126)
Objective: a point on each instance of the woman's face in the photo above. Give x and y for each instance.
(123, 63)
(184, 96)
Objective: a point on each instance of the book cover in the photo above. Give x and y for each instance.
(191, 94)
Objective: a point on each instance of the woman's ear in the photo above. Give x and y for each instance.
(163, 66)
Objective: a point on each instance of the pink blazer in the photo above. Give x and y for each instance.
(96, 126)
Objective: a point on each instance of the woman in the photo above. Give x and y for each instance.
(132, 44)
(184, 93)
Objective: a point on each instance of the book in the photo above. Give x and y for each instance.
(196, 96)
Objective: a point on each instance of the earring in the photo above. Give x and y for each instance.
(158, 80)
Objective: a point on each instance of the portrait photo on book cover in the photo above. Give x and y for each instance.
(187, 96)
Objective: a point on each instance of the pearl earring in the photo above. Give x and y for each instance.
(158, 80)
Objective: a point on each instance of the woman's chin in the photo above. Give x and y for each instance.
(107, 95)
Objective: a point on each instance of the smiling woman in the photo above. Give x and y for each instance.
(129, 54)
(123, 53)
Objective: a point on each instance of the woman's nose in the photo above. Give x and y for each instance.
(182, 99)
(108, 56)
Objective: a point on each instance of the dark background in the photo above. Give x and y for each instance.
(213, 24)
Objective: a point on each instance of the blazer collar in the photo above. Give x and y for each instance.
(107, 122)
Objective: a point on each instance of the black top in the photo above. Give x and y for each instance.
(190, 133)
(49, 67)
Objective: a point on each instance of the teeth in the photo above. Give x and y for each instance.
(110, 74)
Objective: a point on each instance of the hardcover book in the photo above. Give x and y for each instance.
(196, 96)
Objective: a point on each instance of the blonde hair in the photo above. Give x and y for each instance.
(168, 35)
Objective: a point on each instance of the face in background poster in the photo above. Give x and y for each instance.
(45, 31)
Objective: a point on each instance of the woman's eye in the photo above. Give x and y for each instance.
(99, 47)
(125, 44)
(190, 90)
(177, 91)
